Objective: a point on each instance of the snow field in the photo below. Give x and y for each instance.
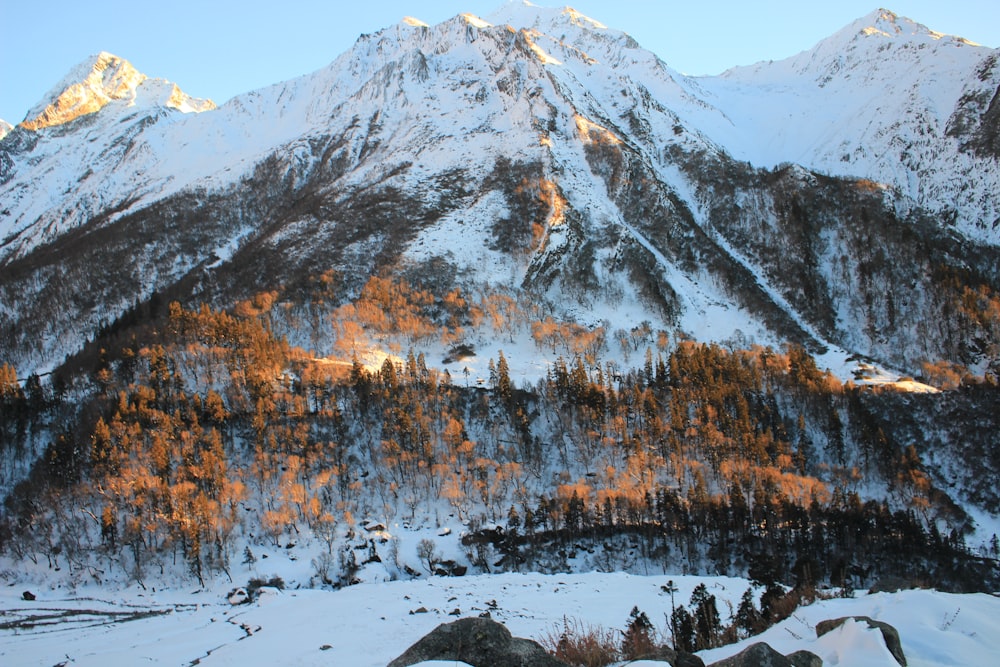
(370, 624)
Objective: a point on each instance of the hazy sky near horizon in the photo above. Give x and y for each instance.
(221, 48)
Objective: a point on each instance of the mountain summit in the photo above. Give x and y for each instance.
(884, 23)
(100, 80)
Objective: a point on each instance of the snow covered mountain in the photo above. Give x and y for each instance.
(538, 149)
(884, 98)
(90, 122)
(538, 182)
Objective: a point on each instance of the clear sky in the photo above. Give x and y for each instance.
(221, 48)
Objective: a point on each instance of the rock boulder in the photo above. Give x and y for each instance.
(674, 658)
(479, 642)
(755, 655)
(805, 659)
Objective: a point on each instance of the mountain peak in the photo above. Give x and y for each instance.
(883, 23)
(524, 14)
(886, 23)
(5, 128)
(865, 46)
(475, 21)
(414, 22)
(85, 89)
(582, 20)
(97, 81)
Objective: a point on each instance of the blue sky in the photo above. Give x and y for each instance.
(220, 48)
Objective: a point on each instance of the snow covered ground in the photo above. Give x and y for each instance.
(372, 623)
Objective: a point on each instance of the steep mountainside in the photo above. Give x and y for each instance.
(887, 99)
(566, 157)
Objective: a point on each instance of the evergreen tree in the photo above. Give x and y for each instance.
(503, 387)
(768, 602)
(683, 629)
(574, 516)
(671, 588)
(748, 618)
(707, 624)
(249, 559)
(638, 639)
(513, 520)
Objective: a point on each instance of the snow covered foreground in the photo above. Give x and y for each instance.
(370, 624)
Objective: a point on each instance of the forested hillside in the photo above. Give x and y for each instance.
(202, 433)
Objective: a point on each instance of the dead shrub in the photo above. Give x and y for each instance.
(582, 645)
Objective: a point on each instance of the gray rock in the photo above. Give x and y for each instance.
(479, 642)
(755, 655)
(805, 659)
(889, 634)
(674, 658)
(891, 585)
(687, 660)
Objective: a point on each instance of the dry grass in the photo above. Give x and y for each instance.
(582, 645)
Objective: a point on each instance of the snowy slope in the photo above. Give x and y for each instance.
(425, 113)
(382, 80)
(877, 100)
(82, 150)
(389, 105)
(370, 624)
(874, 100)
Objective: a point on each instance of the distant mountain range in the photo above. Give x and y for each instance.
(843, 198)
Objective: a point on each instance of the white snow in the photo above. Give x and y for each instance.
(370, 624)
(871, 103)
(475, 21)
(736, 111)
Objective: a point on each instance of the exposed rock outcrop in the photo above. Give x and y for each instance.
(479, 642)
(805, 659)
(675, 658)
(755, 655)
